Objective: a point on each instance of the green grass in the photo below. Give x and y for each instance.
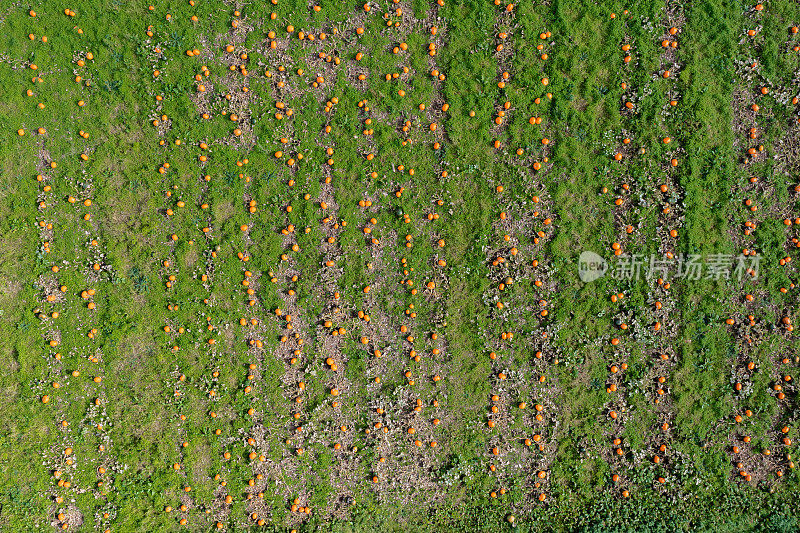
(446, 488)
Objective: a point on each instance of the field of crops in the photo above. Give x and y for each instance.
(460, 265)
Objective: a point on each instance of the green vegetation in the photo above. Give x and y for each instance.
(292, 266)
